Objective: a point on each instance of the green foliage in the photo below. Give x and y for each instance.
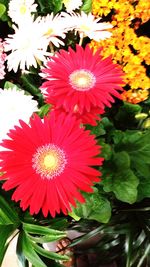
(29, 82)
(30, 242)
(125, 238)
(2, 9)
(121, 179)
(31, 236)
(46, 234)
(9, 85)
(31, 251)
(144, 186)
(5, 232)
(9, 222)
(44, 110)
(96, 207)
(87, 6)
(50, 6)
(8, 214)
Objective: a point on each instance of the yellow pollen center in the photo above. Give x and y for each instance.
(85, 27)
(49, 32)
(66, 2)
(23, 9)
(50, 161)
(82, 80)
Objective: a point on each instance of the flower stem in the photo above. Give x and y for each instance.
(51, 48)
(81, 39)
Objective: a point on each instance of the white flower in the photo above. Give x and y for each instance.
(28, 46)
(14, 105)
(88, 25)
(71, 5)
(53, 27)
(20, 10)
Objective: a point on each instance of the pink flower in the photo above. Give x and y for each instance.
(81, 79)
(2, 60)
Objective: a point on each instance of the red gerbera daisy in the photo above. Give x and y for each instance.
(86, 117)
(48, 162)
(81, 78)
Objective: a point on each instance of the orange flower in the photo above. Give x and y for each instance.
(125, 47)
(135, 96)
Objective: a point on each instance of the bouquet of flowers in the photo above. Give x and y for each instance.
(74, 128)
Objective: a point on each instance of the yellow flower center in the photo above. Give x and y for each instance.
(85, 28)
(23, 9)
(82, 80)
(65, 2)
(49, 161)
(49, 32)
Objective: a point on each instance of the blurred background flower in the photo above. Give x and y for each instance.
(14, 105)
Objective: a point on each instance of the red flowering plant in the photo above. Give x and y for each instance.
(74, 156)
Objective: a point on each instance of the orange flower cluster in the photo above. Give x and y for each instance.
(126, 48)
(135, 96)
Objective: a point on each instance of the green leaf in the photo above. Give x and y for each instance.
(51, 6)
(144, 187)
(108, 125)
(29, 252)
(138, 147)
(8, 214)
(49, 254)
(97, 130)
(42, 4)
(4, 2)
(9, 85)
(127, 112)
(125, 186)
(4, 219)
(117, 136)
(58, 223)
(2, 9)
(87, 6)
(134, 161)
(74, 216)
(5, 233)
(30, 84)
(129, 247)
(96, 208)
(47, 238)
(122, 160)
(122, 180)
(57, 5)
(19, 251)
(141, 153)
(106, 150)
(42, 230)
(4, 16)
(44, 110)
(132, 108)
